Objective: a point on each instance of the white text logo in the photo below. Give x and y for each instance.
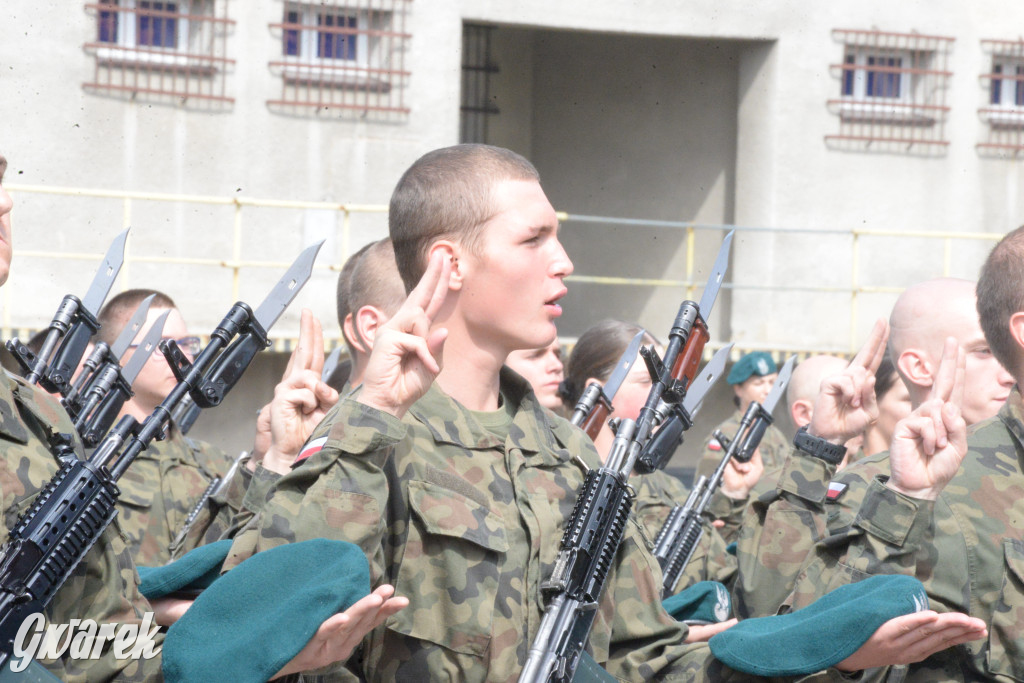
(82, 639)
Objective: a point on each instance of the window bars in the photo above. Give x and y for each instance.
(342, 56)
(164, 51)
(892, 91)
(1004, 98)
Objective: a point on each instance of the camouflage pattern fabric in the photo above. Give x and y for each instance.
(778, 532)
(656, 494)
(104, 587)
(467, 527)
(774, 447)
(160, 489)
(967, 547)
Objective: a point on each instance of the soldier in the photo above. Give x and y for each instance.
(950, 510)
(751, 378)
(167, 480)
(544, 370)
(444, 468)
(104, 586)
(810, 492)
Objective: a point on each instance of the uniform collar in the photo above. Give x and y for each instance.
(1012, 415)
(449, 422)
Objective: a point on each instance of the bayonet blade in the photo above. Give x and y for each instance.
(105, 276)
(781, 382)
(330, 364)
(704, 380)
(287, 287)
(142, 352)
(622, 368)
(707, 300)
(135, 323)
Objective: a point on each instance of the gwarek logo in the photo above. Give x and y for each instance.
(82, 639)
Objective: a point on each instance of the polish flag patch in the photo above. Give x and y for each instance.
(835, 489)
(714, 445)
(309, 449)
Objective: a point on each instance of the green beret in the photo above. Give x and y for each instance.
(197, 569)
(822, 634)
(255, 618)
(705, 602)
(755, 363)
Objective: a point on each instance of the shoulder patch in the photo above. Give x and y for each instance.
(309, 449)
(835, 489)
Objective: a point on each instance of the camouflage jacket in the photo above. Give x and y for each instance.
(467, 526)
(104, 587)
(161, 488)
(656, 494)
(774, 446)
(967, 547)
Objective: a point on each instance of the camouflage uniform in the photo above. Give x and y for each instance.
(774, 446)
(160, 489)
(656, 494)
(104, 587)
(467, 525)
(967, 547)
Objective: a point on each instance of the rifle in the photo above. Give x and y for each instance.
(597, 523)
(72, 326)
(595, 404)
(111, 387)
(682, 531)
(215, 487)
(72, 510)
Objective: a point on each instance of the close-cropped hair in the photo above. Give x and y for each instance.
(596, 354)
(115, 313)
(448, 194)
(886, 375)
(375, 282)
(3, 167)
(1000, 293)
(343, 293)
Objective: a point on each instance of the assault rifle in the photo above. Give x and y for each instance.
(69, 331)
(71, 512)
(682, 531)
(596, 526)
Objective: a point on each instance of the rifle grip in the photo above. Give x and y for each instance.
(597, 418)
(689, 358)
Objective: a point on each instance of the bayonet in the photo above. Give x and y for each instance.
(595, 404)
(287, 288)
(105, 276)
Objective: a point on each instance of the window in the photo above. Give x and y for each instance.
(892, 90)
(342, 56)
(155, 49)
(477, 69)
(1004, 97)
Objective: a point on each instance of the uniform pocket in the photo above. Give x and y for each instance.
(1006, 632)
(449, 570)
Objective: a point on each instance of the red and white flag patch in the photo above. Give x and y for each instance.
(714, 445)
(835, 489)
(309, 449)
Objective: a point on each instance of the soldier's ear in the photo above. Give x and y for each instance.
(1017, 328)
(451, 251)
(800, 412)
(916, 367)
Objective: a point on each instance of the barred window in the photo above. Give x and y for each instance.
(1004, 91)
(477, 69)
(892, 91)
(342, 56)
(161, 50)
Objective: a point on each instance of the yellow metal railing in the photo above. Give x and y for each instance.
(347, 211)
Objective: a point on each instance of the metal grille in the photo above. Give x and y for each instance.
(342, 56)
(162, 51)
(892, 92)
(477, 68)
(1004, 98)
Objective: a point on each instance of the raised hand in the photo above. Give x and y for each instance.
(337, 637)
(301, 399)
(914, 637)
(845, 405)
(406, 352)
(929, 444)
(739, 478)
